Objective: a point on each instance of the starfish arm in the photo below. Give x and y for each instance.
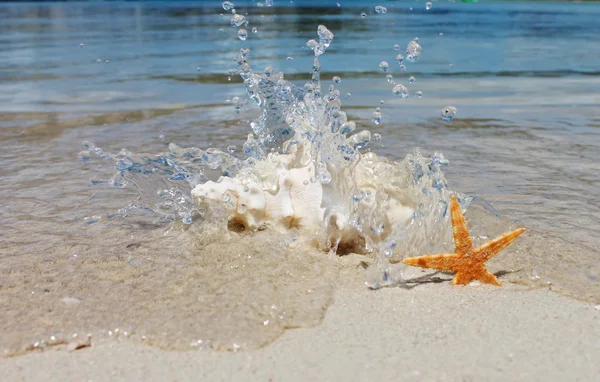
(487, 277)
(489, 249)
(445, 262)
(462, 239)
(462, 278)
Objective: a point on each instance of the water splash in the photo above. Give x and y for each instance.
(304, 128)
(302, 147)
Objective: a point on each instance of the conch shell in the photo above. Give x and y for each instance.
(282, 193)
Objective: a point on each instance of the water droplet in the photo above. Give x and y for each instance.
(289, 58)
(441, 34)
(534, 275)
(161, 138)
(413, 51)
(337, 79)
(316, 47)
(325, 36)
(376, 137)
(363, 15)
(269, 3)
(402, 68)
(231, 148)
(376, 117)
(254, 30)
(411, 80)
(448, 113)
(362, 138)
(428, 5)
(198, 68)
(400, 91)
(81, 45)
(389, 78)
(349, 95)
(242, 34)
(383, 66)
(400, 59)
(237, 20)
(347, 127)
(228, 5)
(419, 94)
(396, 47)
(380, 9)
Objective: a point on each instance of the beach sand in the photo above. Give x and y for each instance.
(433, 331)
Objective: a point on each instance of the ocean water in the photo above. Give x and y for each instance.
(79, 255)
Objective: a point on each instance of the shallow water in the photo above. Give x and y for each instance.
(524, 78)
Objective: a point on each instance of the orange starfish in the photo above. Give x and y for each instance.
(468, 262)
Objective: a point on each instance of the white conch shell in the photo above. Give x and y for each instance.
(276, 196)
(281, 193)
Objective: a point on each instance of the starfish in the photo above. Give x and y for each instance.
(467, 262)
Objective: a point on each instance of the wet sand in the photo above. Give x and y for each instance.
(433, 331)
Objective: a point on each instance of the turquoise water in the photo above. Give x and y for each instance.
(523, 76)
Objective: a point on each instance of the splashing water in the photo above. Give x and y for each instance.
(302, 142)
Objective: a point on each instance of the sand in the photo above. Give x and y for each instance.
(433, 331)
